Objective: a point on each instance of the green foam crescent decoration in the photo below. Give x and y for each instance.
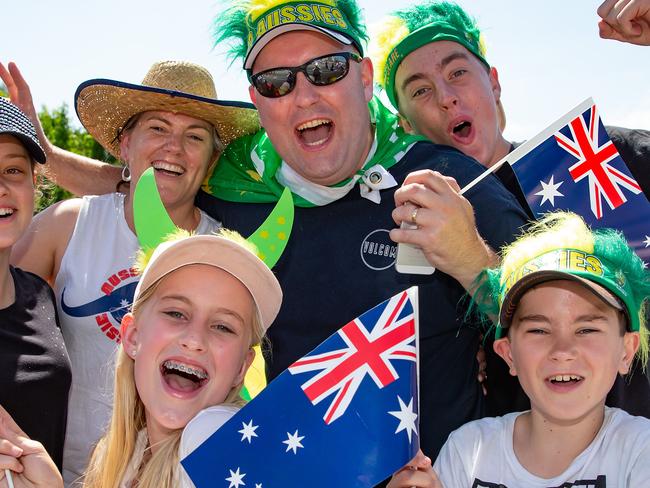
(272, 236)
(152, 222)
(270, 239)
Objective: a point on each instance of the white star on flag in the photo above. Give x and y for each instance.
(647, 241)
(235, 478)
(406, 417)
(248, 431)
(258, 485)
(293, 442)
(549, 191)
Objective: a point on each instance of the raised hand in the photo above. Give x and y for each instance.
(21, 96)
(625, 21)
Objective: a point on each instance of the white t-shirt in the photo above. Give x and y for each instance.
(480, 454)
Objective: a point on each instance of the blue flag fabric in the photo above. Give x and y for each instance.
(573, 165)
(344, 415)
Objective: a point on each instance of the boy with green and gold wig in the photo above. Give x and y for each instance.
(571, 315)
(571, 306)
(561, 246)
(430, 59)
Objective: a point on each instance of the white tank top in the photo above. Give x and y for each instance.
(94, 289)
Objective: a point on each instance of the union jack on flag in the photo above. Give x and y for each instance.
(344, 415)
(573, 165)
(593, 158)
(369, 351)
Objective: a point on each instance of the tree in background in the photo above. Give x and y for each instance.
(58, 129)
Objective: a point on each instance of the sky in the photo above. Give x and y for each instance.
(548, 53)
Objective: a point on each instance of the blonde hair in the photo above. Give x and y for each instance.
(114, 451)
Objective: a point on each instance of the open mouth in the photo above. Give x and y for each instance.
(183, 377)
(6, 212)
(315, 132)
(565, 379)
(462, 130)
(168, 168)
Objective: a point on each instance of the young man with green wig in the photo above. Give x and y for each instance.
(430, 60)
(434, 52)
(355, 175)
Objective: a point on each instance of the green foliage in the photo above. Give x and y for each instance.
(58, 129)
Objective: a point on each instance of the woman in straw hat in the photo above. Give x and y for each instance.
(34, 366)
(201, 305)
(172, 123)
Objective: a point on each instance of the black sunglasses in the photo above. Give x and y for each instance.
(321, 71)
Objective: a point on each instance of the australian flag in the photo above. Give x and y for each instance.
(344, 415)
(573, 165)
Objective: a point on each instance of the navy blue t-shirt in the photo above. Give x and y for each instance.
(339, 262)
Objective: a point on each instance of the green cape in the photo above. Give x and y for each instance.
(237, 177)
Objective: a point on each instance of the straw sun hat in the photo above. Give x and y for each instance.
(105, 106)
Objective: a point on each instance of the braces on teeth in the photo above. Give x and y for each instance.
(186, 369)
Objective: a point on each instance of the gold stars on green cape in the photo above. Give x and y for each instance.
(272, 236)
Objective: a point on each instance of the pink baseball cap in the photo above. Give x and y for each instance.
(222, 253)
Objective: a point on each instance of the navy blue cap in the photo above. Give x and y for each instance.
(14, 122)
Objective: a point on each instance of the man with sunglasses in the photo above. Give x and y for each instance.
(355, 174)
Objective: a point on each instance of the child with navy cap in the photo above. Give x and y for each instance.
(34, 364)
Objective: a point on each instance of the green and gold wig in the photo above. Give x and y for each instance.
(562, 244)
(406, 30)
(244, 24)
